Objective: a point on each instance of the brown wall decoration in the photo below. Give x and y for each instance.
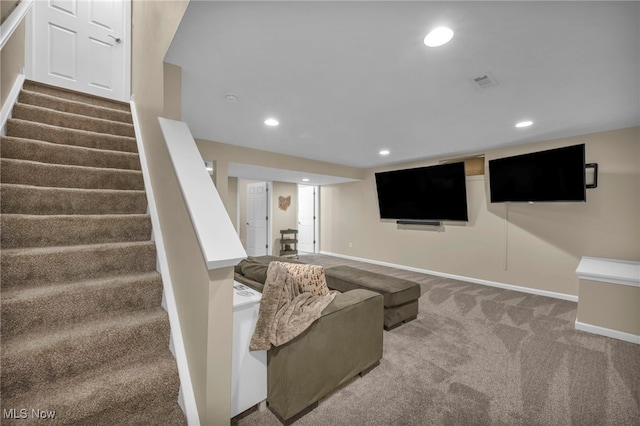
(284, 202)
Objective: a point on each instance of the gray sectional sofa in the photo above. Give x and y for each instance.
(344, 342)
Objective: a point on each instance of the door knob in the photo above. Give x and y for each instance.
(117, 39)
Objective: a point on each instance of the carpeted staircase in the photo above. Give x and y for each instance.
(83, 331)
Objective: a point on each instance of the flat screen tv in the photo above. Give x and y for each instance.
(544, 176)
(423, 194)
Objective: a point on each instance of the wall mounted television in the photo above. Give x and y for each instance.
(545, 176)
(424, 193)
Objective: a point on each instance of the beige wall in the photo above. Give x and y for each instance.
(539, 247)
(172, 91)
(280, 219)
(6, 6)
(232, 185)
(204, 298)
(11, 60)
(608, 305)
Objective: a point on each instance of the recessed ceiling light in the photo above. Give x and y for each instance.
(526, 123)
(438, 37)
(385, 152)
(271, 122)
(305, 179)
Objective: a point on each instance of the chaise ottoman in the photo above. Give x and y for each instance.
(400, 296)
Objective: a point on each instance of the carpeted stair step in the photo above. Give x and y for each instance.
(61, 135)
(45, 356)
(74, 107)
(26, 199)
(74, 121)
(46, 265)
(164, 413)
(59, 92)
(83, 333)
(47, 307)
(20, 231)
(25, 172)
(46, 152)
(109, 395)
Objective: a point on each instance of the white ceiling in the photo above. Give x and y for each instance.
(347, 79)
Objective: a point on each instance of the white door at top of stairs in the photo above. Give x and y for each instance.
(83, 45)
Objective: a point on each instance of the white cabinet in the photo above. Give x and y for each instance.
(609, 298)
(248, 369)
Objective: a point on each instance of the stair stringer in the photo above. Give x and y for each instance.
(186, 397)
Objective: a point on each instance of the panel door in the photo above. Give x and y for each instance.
(257, 219)
(306, 219)
(83, 45)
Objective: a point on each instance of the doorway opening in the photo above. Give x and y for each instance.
(308, 219)
(257, 219)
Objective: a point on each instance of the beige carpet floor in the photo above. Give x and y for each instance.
(479, 355)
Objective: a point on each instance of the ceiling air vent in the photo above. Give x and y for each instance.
(483, 81)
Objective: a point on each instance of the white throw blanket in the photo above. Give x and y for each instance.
(285, 312)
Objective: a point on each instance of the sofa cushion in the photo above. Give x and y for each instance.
(266, 259)
(255, 271)
(257, 286)
(396, 291)
(310, 277)
(255, 268)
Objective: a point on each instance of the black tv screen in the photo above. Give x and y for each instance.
(424, 193)
(553, 175)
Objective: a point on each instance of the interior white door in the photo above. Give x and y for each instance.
(84, 45)
(257, 218)
(306, 218)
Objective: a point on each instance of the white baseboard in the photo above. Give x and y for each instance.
(615, 334)
(7, 107)
(186, 397)
(512, 287)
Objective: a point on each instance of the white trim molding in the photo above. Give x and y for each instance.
(29, 51)
(623, 272)
(187, 399)
(614, 334)
(9, 26)
(7, 107)
(511, 287)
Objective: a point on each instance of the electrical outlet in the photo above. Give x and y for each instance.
(350, 244)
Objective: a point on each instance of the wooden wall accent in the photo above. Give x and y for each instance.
(474, 166)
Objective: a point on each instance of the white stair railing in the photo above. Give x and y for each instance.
(13, 20)
(216, 234)
(220, 245)
(8, 27)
